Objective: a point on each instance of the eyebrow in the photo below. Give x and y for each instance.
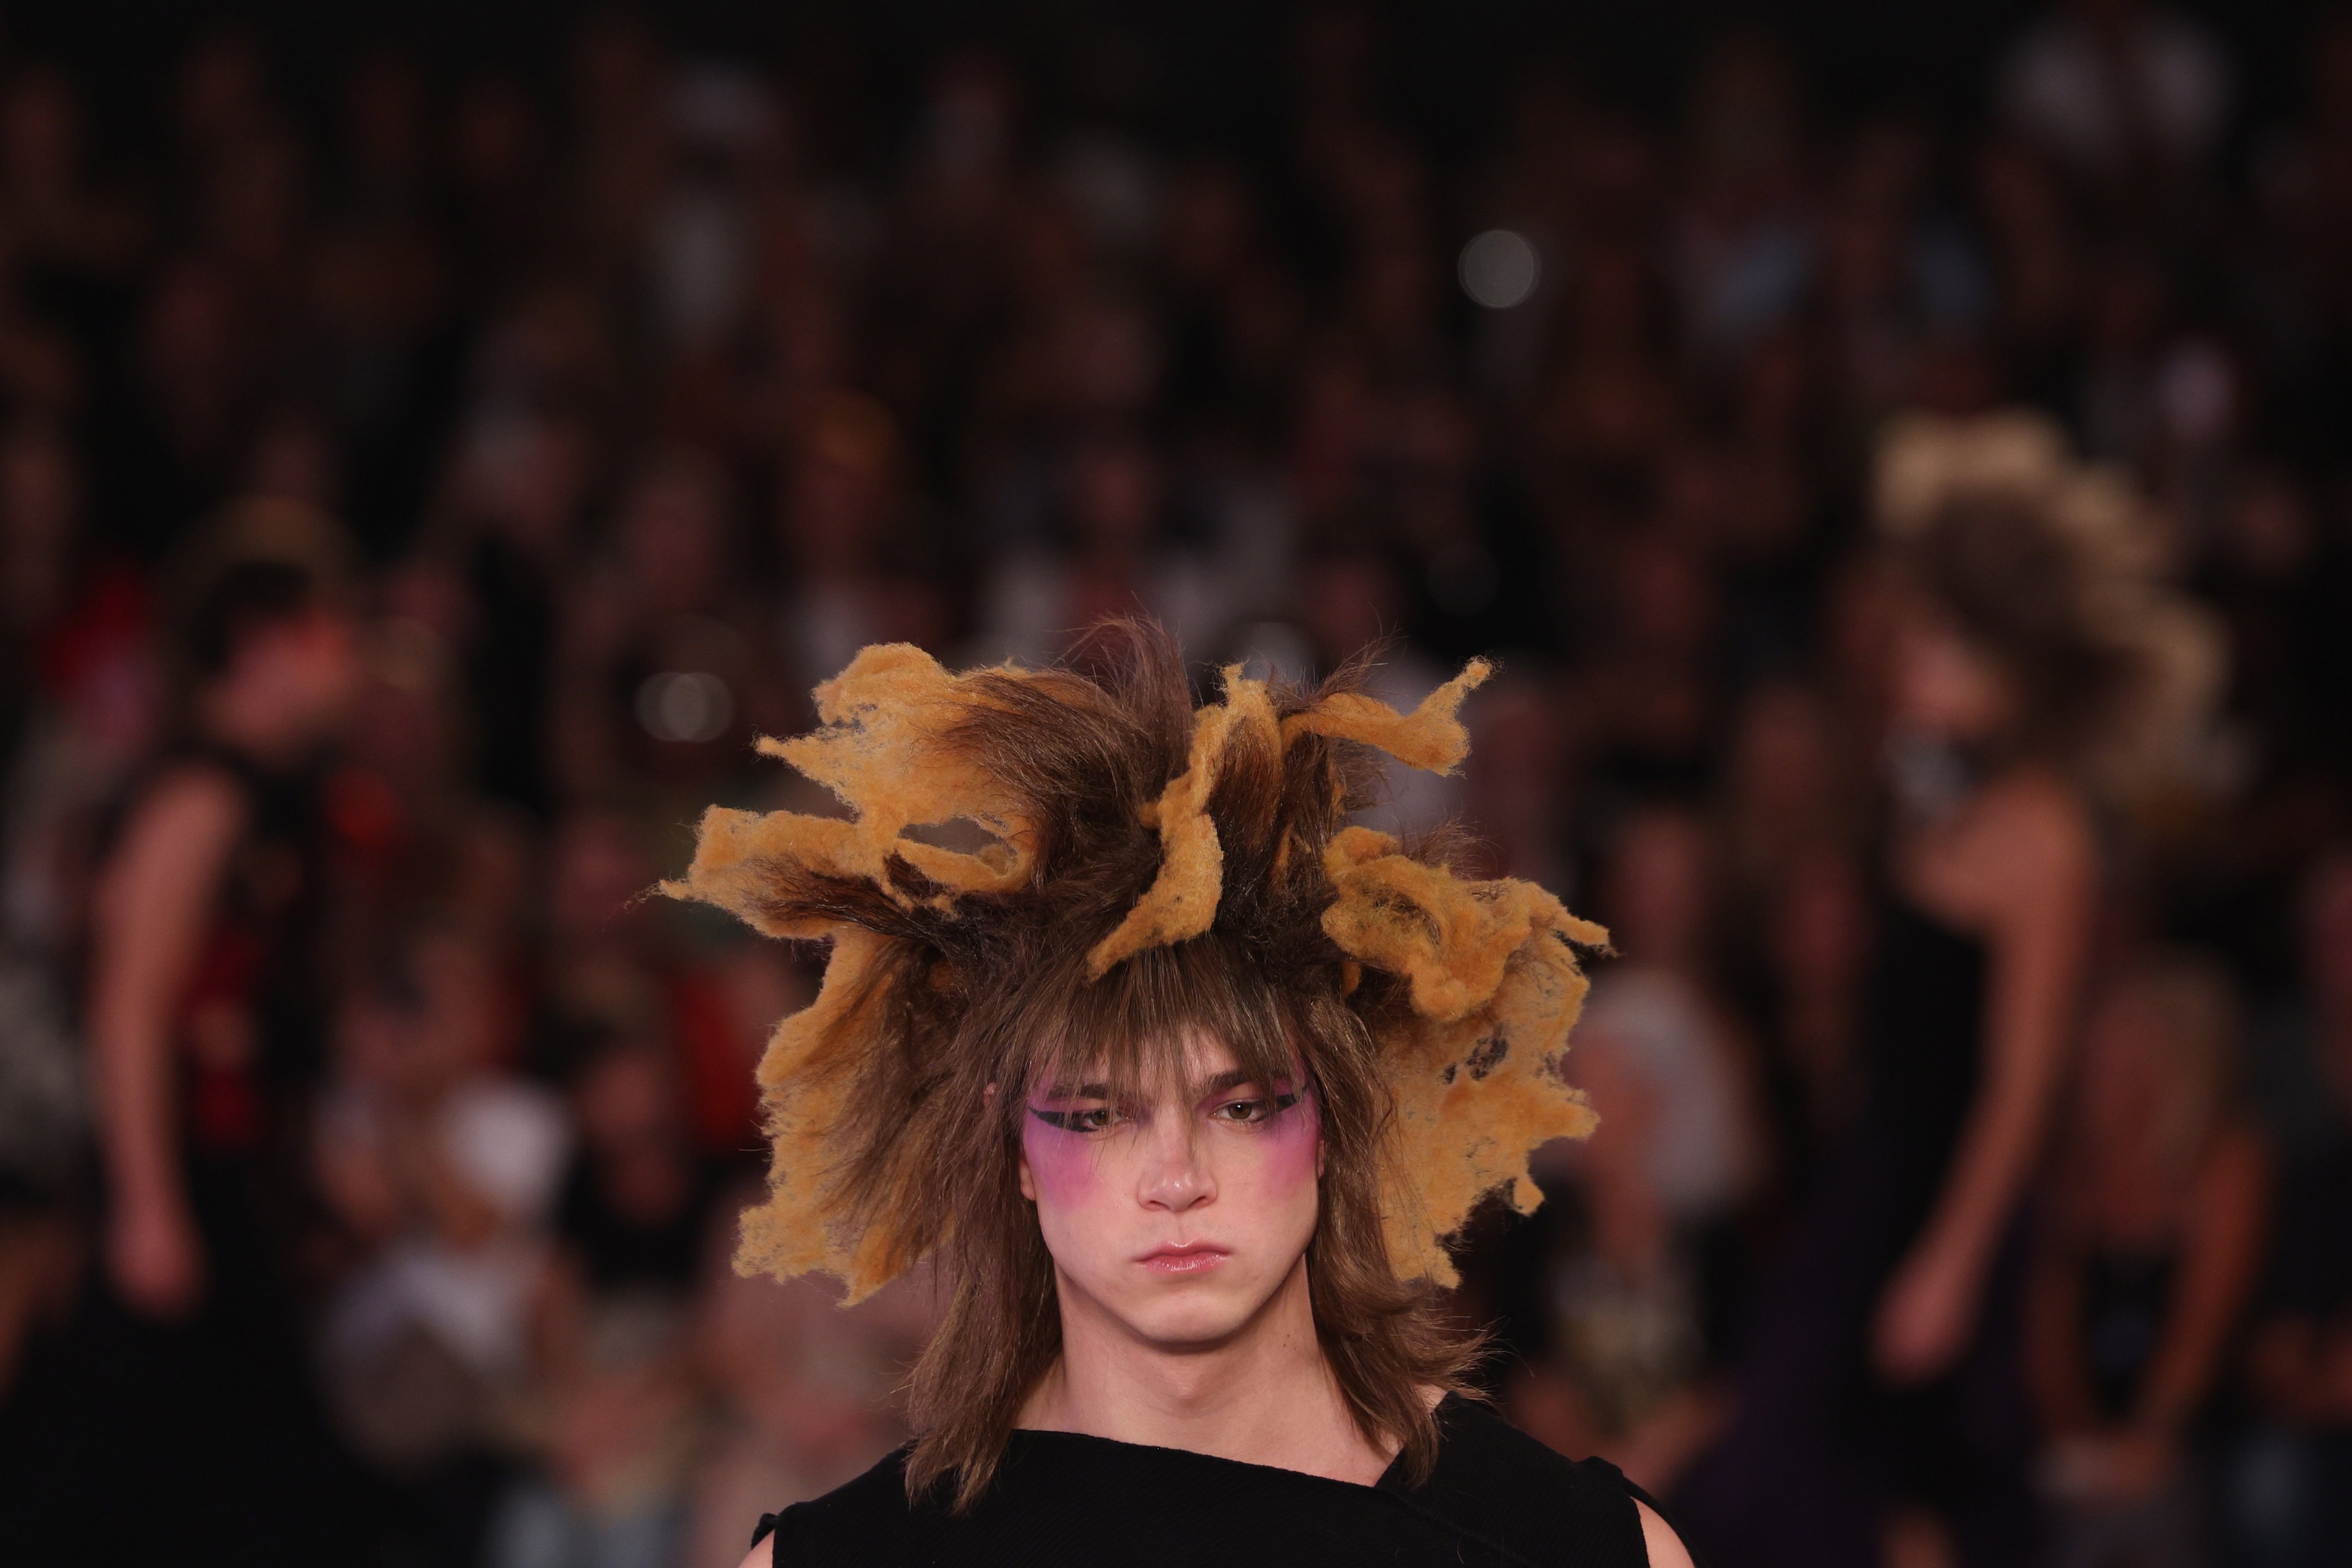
(1076, 1091)
(1232, 1078)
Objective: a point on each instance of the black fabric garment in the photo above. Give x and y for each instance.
(1820, 1449)
(212, 1419)
(262, 952)
(1923, 1035)
(2126, 1295)
(2310, 1272)
(1498, 1499)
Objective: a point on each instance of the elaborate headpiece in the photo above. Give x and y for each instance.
(1101, 820)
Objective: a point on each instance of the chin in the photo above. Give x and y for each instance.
(1194, 1316)
(1198, 1328)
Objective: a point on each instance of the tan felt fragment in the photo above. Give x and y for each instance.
(881, 750)
(809, 1067)
(1463, 1135)
(1182, 901)
(1430, 738)
(738, 852)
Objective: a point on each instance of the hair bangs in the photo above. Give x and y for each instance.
(1135, 1029)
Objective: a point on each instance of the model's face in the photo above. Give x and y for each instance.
(1943, 684)
(303, 673)
(1175, 1220)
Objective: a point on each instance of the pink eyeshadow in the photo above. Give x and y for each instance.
(1292, 1141)
(1059, 1159)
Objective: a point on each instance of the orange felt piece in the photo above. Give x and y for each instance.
(1431, 737)
(736, 854)
(1182, 901)
(880, 751)
(1494, 989)
(809, 1068)
(1474, 1098)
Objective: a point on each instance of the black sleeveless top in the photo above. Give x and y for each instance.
(1498, 1499)
(1924, 1040)
(258, 957)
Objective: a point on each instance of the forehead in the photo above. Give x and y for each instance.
(1189, 1064)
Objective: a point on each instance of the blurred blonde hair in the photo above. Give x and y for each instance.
(2137, 665)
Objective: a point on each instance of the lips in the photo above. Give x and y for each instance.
(1195, 1258)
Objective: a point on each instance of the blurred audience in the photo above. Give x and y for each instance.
(2289, 1485)
(2154, 1227)
(370, 1144)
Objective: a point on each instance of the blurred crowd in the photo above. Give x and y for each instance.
(409, 516)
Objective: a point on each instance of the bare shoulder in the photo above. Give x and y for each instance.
(1664, 1547)
(188, 808)
(764, 1554)
(175, 838)
(184, 814)
(2026, 852)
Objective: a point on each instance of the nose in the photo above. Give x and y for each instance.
(1175, 1176)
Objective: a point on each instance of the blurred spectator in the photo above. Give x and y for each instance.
(1640, 1308)
(1662, 1009)
(43, 1118)
(1817, 936)
(1119, 559)
(2125, 93)
(2142, 1267)
(442, 1170)
(840, 517)
(806, 1395)
(620, 1402)
(2290, 1483)
(1521, 795)
(445, 1169)
(1745, 256)
(205, 1026)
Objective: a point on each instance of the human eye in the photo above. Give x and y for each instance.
(1253, 1109)
(1076, 1118)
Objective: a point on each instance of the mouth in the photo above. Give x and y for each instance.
(1195, 1257)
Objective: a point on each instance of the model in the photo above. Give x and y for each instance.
(2043, 670)
(1177, 1080)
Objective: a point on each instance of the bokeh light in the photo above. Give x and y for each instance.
(1500, 268)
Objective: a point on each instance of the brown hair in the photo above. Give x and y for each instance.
(2017, 588)
(1133, 870)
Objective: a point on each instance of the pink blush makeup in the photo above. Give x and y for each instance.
(1062, 1162)
(1291, 1141)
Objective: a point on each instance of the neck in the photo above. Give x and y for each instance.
(1264, 1395)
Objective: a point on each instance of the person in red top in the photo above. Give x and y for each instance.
(200, 1026)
